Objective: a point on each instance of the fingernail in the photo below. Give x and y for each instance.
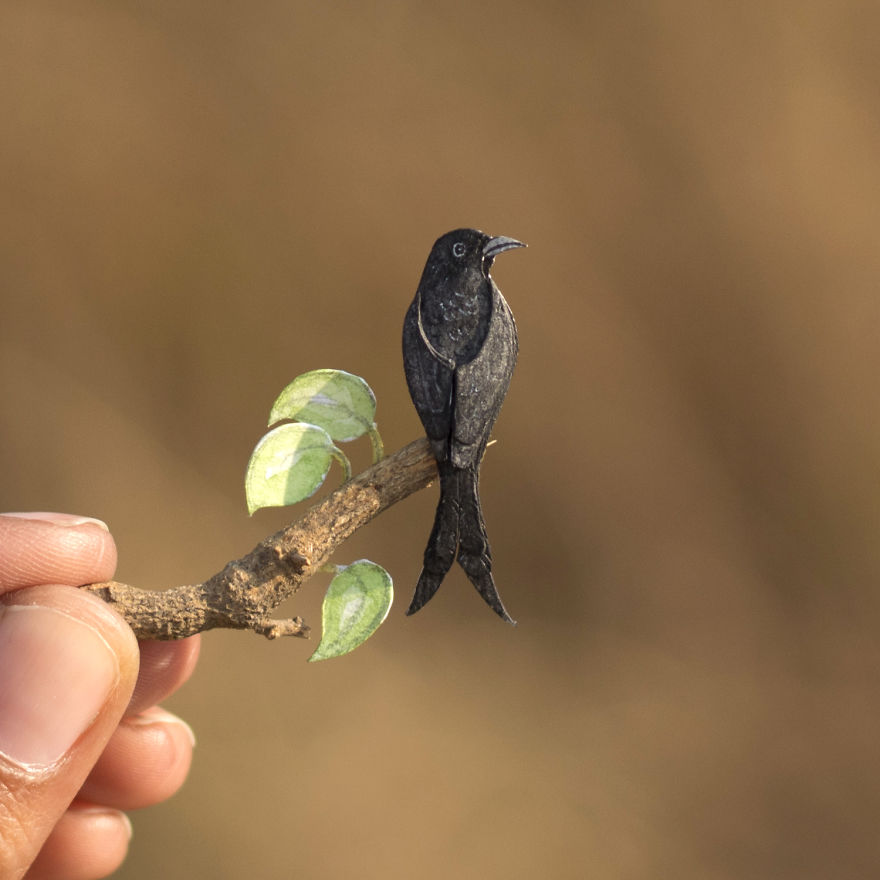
(158, 715)
(124, 821)
(58, 519)
(106, 813)
(55, 675)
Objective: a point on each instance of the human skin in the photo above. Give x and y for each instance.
(81, 737)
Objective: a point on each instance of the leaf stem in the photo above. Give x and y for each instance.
(342, 458)
(376, 443)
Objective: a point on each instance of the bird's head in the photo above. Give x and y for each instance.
(468, 250)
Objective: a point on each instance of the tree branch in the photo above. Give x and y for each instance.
(243, 594)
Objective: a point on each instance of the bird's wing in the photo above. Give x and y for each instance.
(430, 383)
(481, 384)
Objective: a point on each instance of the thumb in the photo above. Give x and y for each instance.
(68, 665)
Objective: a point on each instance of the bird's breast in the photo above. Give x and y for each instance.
(456, 322)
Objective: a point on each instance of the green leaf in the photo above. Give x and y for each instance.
(357, 601)
(339, 402)
(287, 465)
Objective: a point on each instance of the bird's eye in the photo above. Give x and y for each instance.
(458, 249)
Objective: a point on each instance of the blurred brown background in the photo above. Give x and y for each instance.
(202, 200)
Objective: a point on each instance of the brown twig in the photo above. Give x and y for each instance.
(243, 594)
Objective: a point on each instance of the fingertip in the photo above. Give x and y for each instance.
(87, 842)
(86, 607)
(164, 667)
(160, 715)
(69, 666)
(44, 548)
(146, 761)
(59, 519)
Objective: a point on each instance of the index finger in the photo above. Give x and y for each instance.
(54, 548)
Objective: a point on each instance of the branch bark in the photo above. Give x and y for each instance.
(244, 593)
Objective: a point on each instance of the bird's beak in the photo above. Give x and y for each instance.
(499, 244)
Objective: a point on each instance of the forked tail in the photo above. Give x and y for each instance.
(443, 541)
(458, 526)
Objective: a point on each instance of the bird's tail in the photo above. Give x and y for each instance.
(443, 541)
(458, 526)
(474, 555)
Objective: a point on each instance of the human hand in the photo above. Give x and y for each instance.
(81, 738)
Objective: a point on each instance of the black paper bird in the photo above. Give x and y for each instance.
(459, 350)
